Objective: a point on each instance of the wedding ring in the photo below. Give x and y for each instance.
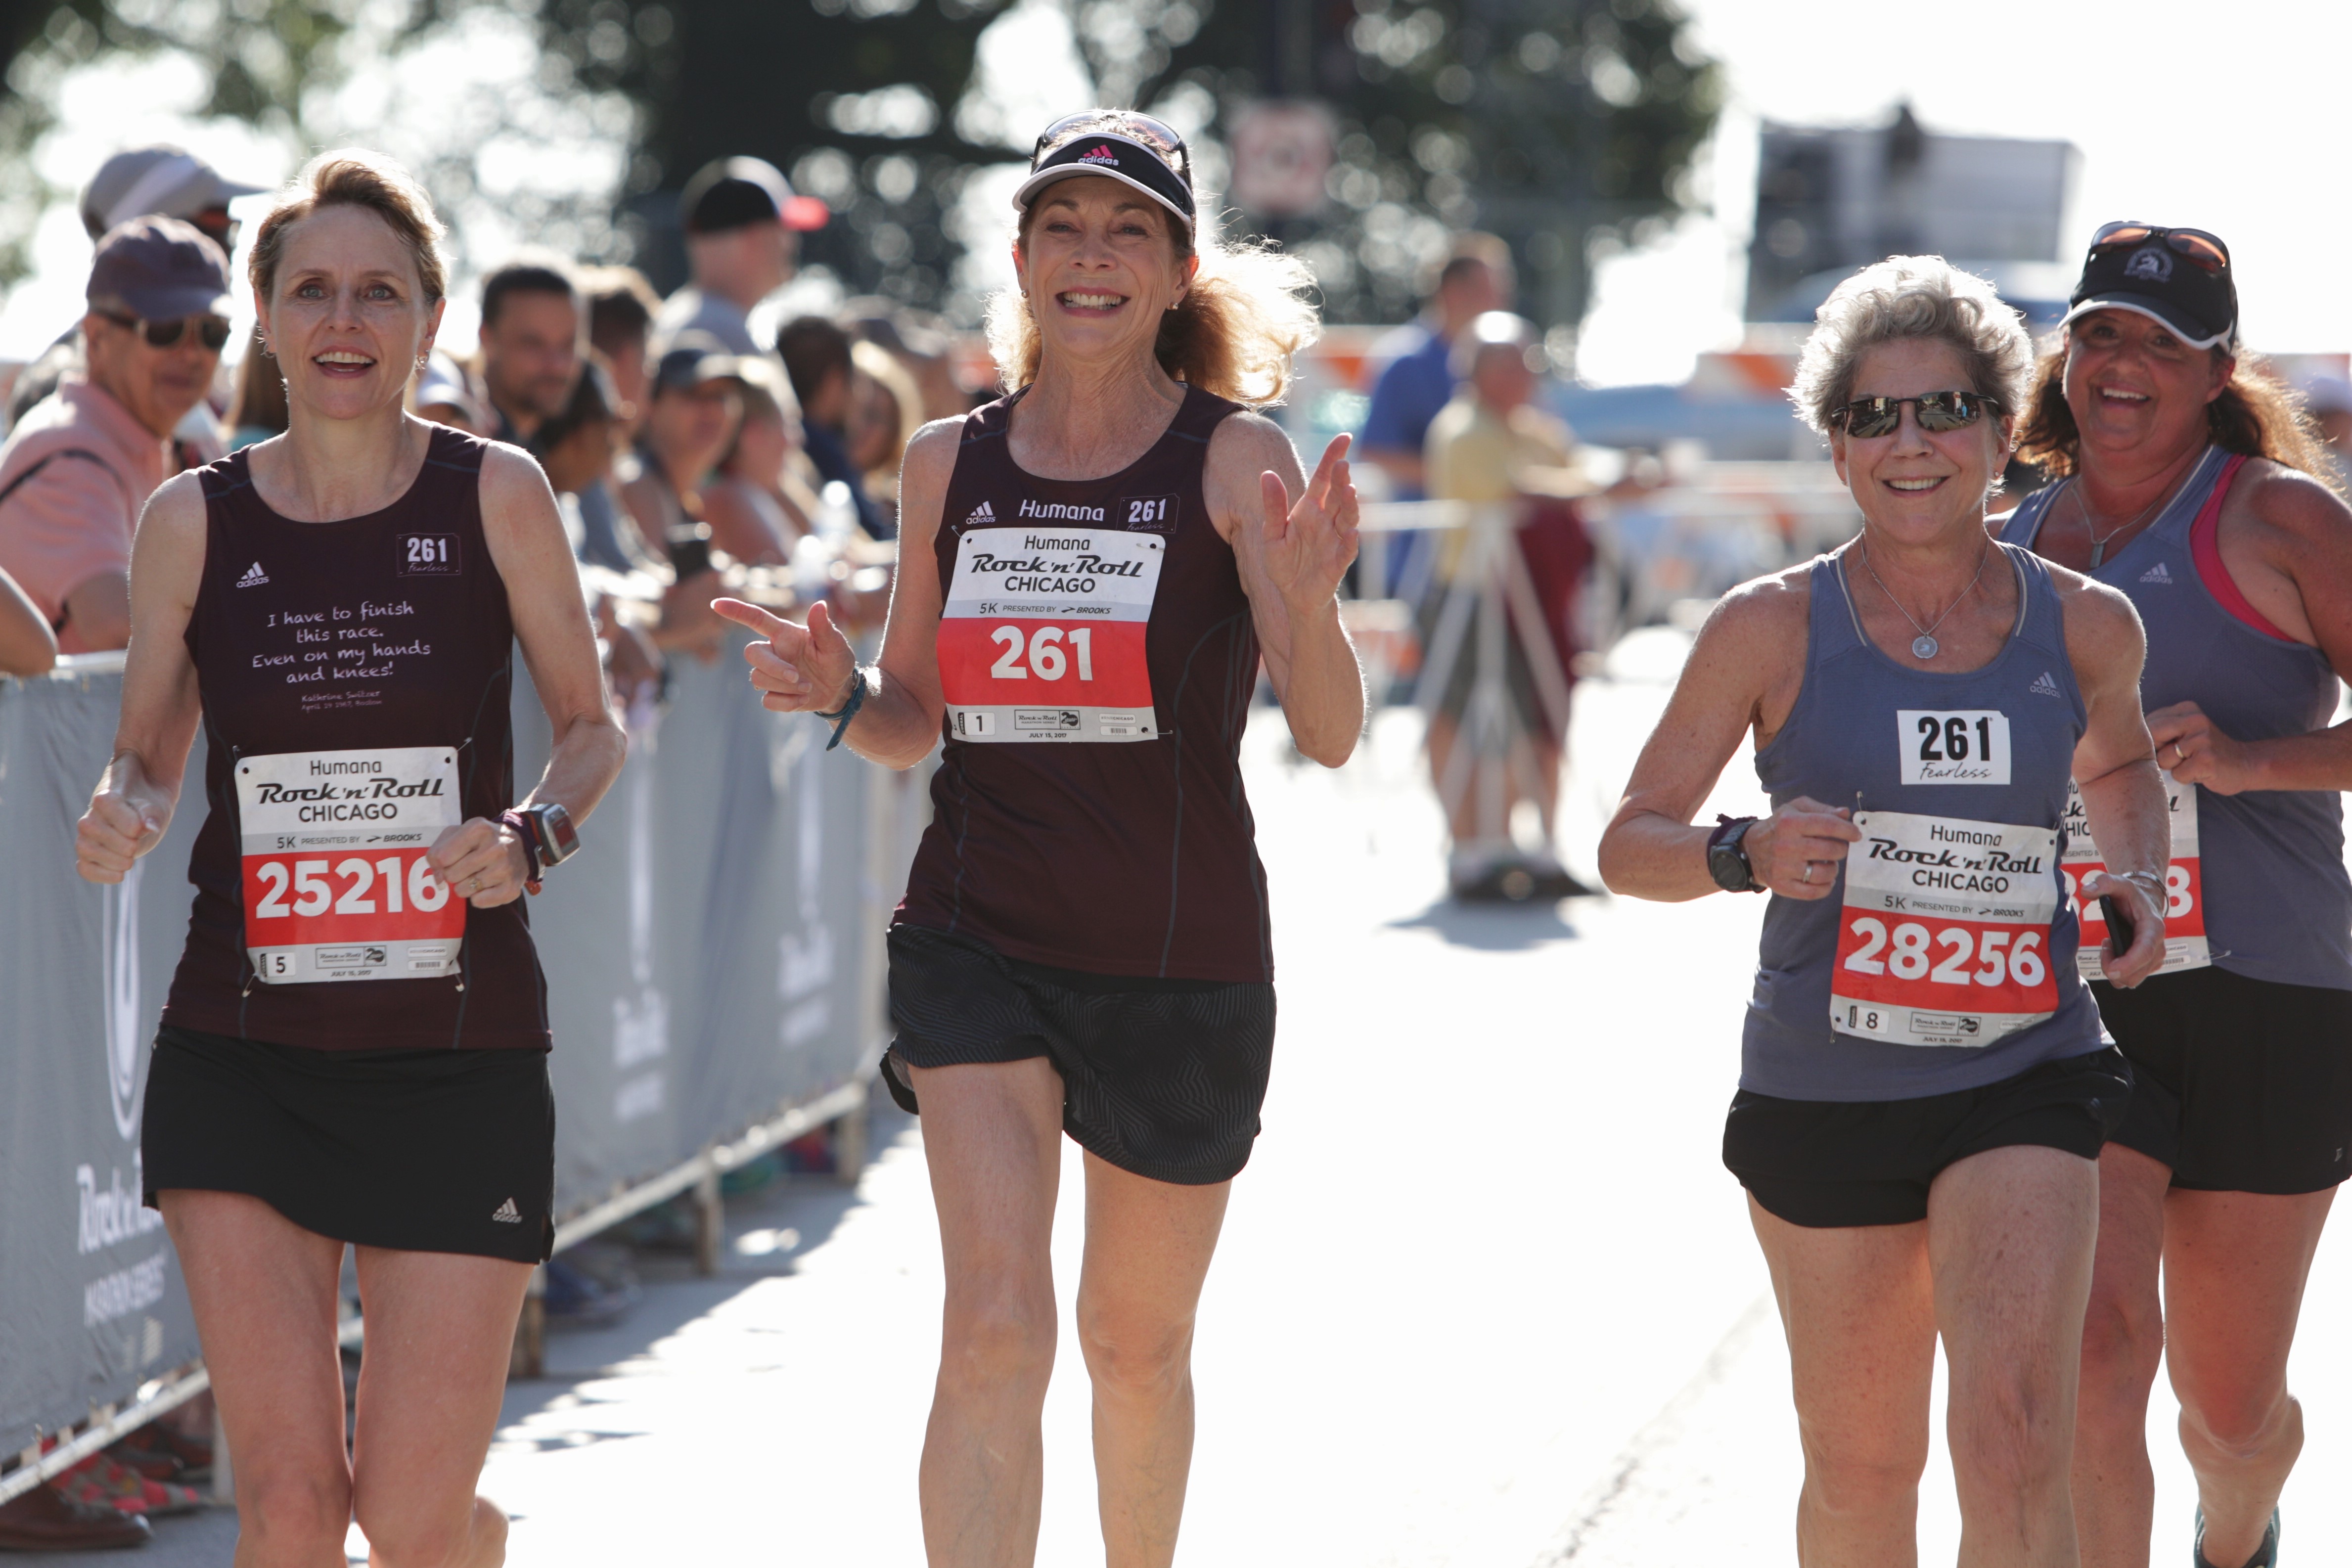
(1809, 873)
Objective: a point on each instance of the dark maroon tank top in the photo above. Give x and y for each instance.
(1098, 657)
(361, 670)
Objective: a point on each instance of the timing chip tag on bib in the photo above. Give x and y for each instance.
(1042, 636)
(336, 884)
(2184, 884)
(1944, 935)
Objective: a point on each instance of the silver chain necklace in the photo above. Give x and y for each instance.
(2099, 541)
(1925, 646)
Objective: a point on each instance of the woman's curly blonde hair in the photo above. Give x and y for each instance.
(1902, 299)
(1243, 318)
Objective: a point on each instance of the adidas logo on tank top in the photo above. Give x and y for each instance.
(2156, 573)
(508, 1214)
(254, 577)
(979, 514)
(2044, 685)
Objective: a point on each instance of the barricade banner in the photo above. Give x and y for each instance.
(91, 1303)
(711, 960)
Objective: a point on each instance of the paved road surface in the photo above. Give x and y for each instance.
(1487, 1298)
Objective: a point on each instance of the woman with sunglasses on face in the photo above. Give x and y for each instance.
(1923, 1091)
(2186, 483)
(354, 1048)
(1089, 570)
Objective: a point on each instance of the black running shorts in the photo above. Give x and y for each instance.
(418, 1150)
(1828, 1163)
(2239, 1085)
(1162, 1078)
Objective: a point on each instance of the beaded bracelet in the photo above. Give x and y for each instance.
(840, 717)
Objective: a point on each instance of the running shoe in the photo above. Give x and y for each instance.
(2265, 1558)
(46, 1520)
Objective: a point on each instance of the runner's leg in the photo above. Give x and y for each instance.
(993, 1136)
(2235, 1267)
(264, 1294)
(1859, 1311)
(1148, 1249)
(2123, 1343)
(2011, 1234)
(440, 1330)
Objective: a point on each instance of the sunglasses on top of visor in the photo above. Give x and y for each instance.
(1869, 417)
(2203, 251)
(1123, 120)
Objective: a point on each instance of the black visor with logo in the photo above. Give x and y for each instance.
(1114, 157)
(2179, 279)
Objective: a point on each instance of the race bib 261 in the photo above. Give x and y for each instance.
(1041, 638)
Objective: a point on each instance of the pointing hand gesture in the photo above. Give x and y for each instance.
(799, 669)
(1305, 549)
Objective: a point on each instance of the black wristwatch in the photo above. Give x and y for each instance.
(548, 837)
(1726, 856)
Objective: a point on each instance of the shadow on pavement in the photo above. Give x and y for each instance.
(1492, 927)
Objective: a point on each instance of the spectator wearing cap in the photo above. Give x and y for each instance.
(1418, 378)
(818, 358)
(697, 404)
(159, 181)
(534, 339)
(80, 466)
(742, 225)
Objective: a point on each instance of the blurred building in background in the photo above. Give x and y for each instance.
(1830, 200)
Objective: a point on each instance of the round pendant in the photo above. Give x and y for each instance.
(1924, 647)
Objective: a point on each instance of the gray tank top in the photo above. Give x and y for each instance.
(1959, 781)
(2278, 904)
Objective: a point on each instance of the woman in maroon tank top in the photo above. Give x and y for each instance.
(354, 1046)
(1089, 572)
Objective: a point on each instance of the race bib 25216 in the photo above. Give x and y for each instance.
(336, 882)
(1041, 638)
(1944, 935)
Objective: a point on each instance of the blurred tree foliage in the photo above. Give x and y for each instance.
(1569, 126)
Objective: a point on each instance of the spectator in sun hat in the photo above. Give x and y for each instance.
(742, 224)
(83, 462)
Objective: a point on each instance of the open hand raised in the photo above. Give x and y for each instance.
(1305, 549)
(799, 669)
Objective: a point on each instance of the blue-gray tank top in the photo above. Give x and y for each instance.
(1869, 733)
(2278, 904)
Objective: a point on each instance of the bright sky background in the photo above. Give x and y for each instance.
(2232, 119)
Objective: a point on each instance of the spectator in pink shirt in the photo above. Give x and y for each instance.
(83, 462)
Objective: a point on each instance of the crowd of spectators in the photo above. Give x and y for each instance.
(692, 452)
(686, 445)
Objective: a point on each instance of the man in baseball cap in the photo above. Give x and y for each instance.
(742, 224)
(163, 181)
(83, 462)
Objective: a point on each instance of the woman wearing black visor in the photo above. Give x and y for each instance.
(1090, 571)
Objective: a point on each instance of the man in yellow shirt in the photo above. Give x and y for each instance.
(1492, 444)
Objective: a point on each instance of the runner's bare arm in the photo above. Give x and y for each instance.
(1743, 672)
(136, 795)
(27, 646)
(1293, 540)
(2115, 767)
(809, 669)
(2288, 546)
(525, 534)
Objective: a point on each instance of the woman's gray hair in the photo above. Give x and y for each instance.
(1902, 299)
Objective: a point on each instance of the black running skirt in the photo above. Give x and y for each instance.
(418, 1150)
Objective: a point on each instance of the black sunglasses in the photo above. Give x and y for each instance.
(2206, 252)
(1123, 120)
(1869, 417)
(211, 330)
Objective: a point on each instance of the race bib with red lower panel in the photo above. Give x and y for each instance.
(1944, 935)
(1042, 636)
(2184, 884)
(336, 884)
